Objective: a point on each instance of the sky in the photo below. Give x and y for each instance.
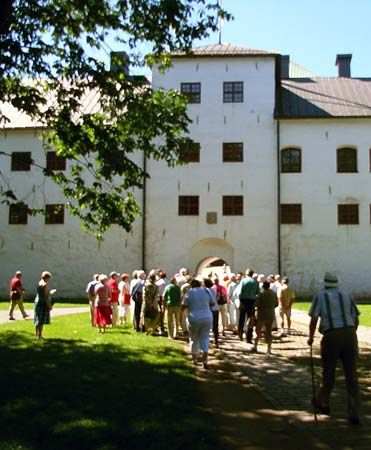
(312, 32)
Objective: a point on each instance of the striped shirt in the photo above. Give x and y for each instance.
(337, 309)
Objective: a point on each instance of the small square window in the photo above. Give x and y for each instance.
(233, 92)
(347, 160)
(18, 214)
(232, 205)
(21, 162)
(191, 152)
(54, 214)
(188, 205)
(232, 152)
(192, 91)
(55, 162)
(291, 214)
(348, 214)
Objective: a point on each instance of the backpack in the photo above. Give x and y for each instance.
(221, 298)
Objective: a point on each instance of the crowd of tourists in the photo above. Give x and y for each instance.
(232, 302)
(196, 307)
(159, 305)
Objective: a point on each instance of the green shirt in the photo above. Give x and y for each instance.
(172, 295)
(249, 288)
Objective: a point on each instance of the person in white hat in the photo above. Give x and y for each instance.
(339, 321)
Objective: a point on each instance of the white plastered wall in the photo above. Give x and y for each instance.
(71, 255)
(253, 236)
(320, 244)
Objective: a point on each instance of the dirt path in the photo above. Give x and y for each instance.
(263, 402)
(4, 316)
(245, 417)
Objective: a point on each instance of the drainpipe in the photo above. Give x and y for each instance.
(278, 197)
(144, 212)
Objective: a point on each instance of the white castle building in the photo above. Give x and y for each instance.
(279, 179)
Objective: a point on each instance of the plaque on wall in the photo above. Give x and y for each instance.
(211, 218)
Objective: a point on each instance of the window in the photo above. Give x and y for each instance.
(232, 152)
(55, 162)
(291, 213)
(54, 214)
(188, 205)
(348, 214)
(192, 91)
(21, 161)
(18, 214)
(291, 160)
(191, 152)
(233, 92)
(232, 205)
(346, 160)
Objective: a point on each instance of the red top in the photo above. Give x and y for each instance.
(114, 287)
(14, 284)
(218, 288)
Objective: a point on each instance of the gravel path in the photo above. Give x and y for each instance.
(4, 316)
(284, 379)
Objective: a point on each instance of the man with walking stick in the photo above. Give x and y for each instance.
(339, 322)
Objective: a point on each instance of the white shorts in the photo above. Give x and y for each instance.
(285, 312)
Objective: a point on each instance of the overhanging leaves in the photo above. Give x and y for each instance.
(99, 119)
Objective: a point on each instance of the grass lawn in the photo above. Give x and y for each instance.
(81, 390)
(364, 318)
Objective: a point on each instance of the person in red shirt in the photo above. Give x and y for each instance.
(115, 292)
(16, 293)
(222, 300)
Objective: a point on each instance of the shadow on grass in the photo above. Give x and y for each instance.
(65, 394)
(72, 394)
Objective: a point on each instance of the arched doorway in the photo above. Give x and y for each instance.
(213, 265)
(212, 254)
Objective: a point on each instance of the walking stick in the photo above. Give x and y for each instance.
(313, 382)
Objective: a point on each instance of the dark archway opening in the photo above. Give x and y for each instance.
(213, 264)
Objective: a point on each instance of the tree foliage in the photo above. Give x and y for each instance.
(49, 67)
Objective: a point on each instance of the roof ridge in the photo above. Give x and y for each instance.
(319, 77)
(223, 50)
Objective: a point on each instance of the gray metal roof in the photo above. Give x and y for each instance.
(19, 119)
(298, 71)
(222, 50)
(325, 97)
